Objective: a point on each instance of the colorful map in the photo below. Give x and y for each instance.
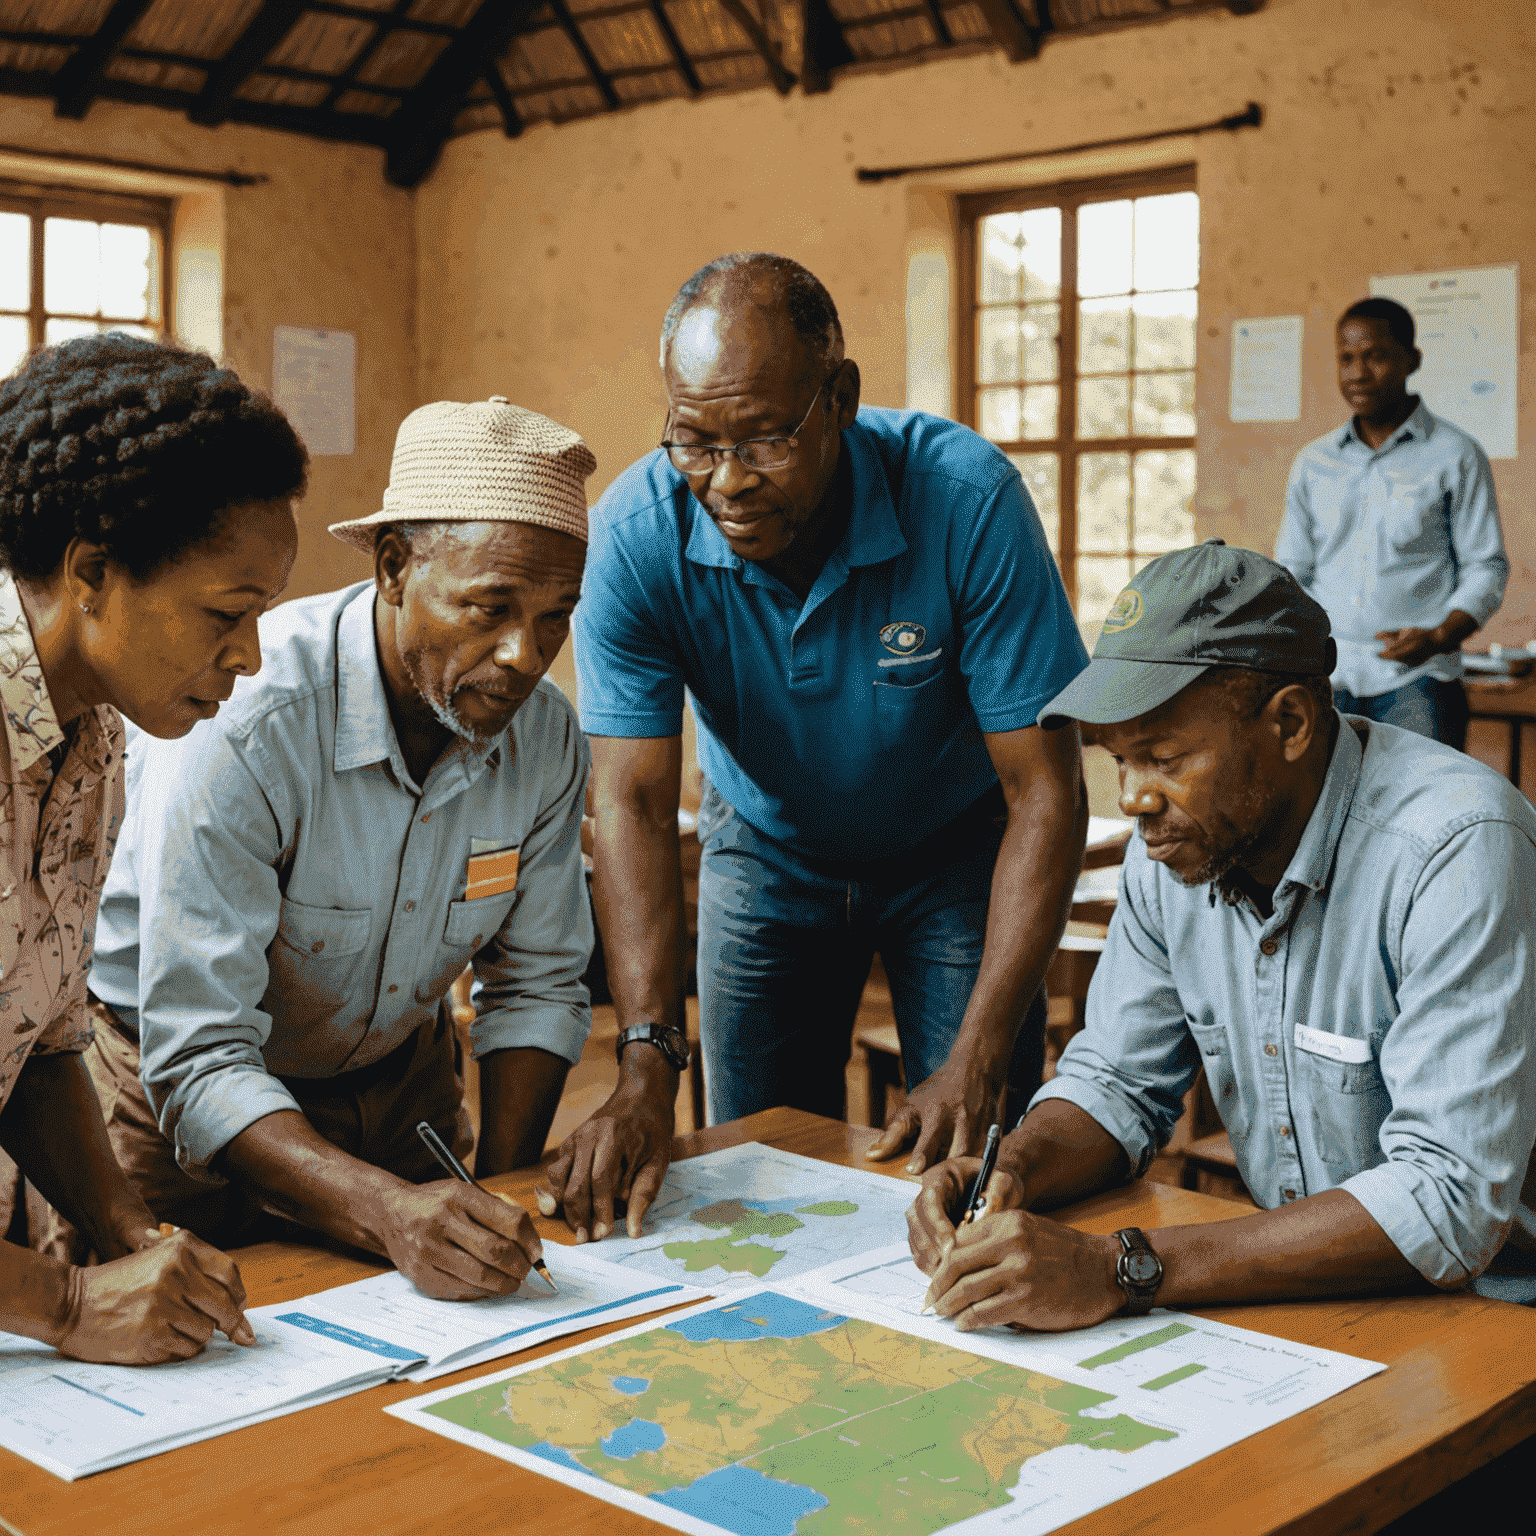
(739, 1215)
(769, 1416)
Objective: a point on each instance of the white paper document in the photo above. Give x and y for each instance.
(752, 1213)
(76, 1419)
(314, 381)
(1266, 369)
(746, 1415)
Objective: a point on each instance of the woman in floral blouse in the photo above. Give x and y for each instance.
(145, 521)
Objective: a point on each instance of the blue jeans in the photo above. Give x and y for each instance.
(785, 949)
(1427, 706)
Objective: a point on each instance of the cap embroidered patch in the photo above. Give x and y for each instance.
(1126, 610)
(492, 869)
(902, 638)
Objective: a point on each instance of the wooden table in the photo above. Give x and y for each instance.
(1461, 1390)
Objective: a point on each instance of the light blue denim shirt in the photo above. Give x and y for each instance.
(284, 899)
(1376, 1034)
(1391, 538)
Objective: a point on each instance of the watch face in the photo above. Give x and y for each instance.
(1141, 1268)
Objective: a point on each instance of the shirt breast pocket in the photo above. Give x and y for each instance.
(910, 715)
(316, 945)
(471, 924)
(1348, 1100)
(1416, 523)
(1220, 1065)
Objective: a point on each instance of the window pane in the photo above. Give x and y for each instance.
(15, 261)
(998, 414)
(1104, 336)
(1040, 237)
(1104, 248)
(1104, 502)
(1164, 405)
(13, 343)
(1165, 330)
(127, 272)
(1040, 412)
(1165, 487)
(56, 331)
(1040, 328)
(1103, 406)
(1042, 479)
(72, 266)
(998, 359)
(1099, 583)
(1167, 241)
(1020, 256)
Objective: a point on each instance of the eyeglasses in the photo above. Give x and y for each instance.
(752, 453)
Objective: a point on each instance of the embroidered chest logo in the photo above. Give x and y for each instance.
(1127, 610)
(902, 638)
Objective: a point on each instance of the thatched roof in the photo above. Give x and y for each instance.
(407, 74)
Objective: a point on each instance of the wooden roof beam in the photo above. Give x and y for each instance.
(600, 76)
(1010, 31)
(680, 60)
(738, 12)
(348, 77)
(425, 117)
(267, 28)
(79, 78)
(825, 47)
(940, 26)
(511, 120)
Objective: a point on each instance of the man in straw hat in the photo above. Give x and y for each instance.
(1330, 916)
(863, 608)
(299, 881)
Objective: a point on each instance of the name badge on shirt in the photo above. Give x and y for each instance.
(1335, 1047)
(492, 868)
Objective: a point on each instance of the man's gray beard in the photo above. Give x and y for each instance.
(446, 714)
(1218, 870)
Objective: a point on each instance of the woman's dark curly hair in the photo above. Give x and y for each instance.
(136, 446)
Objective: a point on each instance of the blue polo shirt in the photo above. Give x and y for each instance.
(848, 725)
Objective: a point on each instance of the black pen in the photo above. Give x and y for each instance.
(444, 1154)
(977, 1197)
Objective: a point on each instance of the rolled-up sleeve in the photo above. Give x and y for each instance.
(530, 991)
(1295, 547)
(1457, 1060)
(1477, 539)
(207, 842)
(1130, 1067)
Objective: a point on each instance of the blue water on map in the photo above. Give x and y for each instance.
(741, 1500)
(766, 1315)
(557, 1454)
(632, 1438)
(631, 1386)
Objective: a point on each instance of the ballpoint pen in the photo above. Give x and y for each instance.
(443, 1153)
(977, 1197)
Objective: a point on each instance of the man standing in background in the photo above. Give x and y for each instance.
(1392, 525)
(864, 610)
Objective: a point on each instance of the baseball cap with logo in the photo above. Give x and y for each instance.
(1188, 611)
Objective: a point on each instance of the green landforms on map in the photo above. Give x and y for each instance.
(843, 1426)
(738, 1222)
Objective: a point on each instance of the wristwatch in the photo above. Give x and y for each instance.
(667, 1038)
(1139, 1271)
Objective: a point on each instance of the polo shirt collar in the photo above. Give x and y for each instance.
(873, 534)
(1418, 427)
(1312, 863)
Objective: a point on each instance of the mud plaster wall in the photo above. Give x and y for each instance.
(324, 242)
(1398, 137)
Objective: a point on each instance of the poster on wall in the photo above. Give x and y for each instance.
(1467, 330)
(314, 382)
(1266, 369)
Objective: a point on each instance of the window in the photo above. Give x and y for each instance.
(74, 263)
(1081, 365)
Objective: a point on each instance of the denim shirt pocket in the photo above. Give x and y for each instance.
(1348, 1100)
(1216, 1057)
(471, 924)
(316, 953)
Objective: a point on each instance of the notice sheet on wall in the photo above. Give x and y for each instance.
(314, 382)
(1266, 369)
(1467, 323)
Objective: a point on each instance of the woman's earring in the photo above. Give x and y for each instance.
(85, 607)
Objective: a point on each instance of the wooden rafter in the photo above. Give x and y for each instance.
(940, 26)
(1010, 31)
(739, 12)
(600, 76)
(267, 28)
(348, 77)
(80, 76)
(680, 60)
(825, 47)
(511, 120)
(417, 131)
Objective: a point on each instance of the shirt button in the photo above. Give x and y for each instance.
(410, 906)
(1269, 946)
(317, 946)
(1290, 1194)
(1285, 1130)
(1271, 1050)
(478, 940)
(394, 988)
(425, 819)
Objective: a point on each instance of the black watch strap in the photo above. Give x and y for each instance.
(667, 1038)
(1138, 1270)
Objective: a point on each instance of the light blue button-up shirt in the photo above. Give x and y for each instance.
(1376, 1034)
(1394, 537)
(286, 900)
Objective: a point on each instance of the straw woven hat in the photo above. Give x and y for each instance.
(487, 461)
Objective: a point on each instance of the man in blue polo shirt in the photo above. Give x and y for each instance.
(864, 610)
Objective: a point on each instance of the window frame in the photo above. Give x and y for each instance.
(42, 202)
(1069, 196)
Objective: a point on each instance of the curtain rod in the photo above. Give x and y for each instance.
(1251, 117)
(229, 178)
